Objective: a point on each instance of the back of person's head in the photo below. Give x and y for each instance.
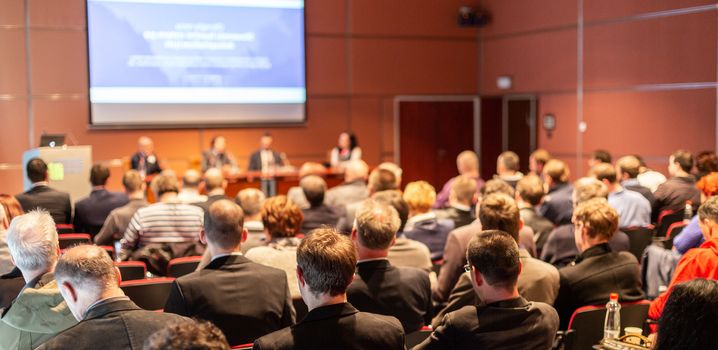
(541, 156)
(223, 224)
(394, 169)
(394, 199)
(684, 159)
(530, 189)
(311, 168)
(689, 317)
(509, 160)
(313, 187)
(376, 224)
(9, 209)
(604, 171)
(500, 212)
(709, 210)
(601, 156)
(557, 171)
(191, 179)
(707, 162)
(251, 201)
(382, 180)
(598, 217)
(629, 165)
(164, 183)
(132, 181)
(327, 260)
(187, 335)
(464, 189)
(467, 162)
(99, 173)
(356, 170)
(587, 188)
(420, 196)
(708, 184)
(213, 179)
(89, 272)
(497, 186)
(32, 240)
(281, 217)
(36, 170)
(495, 254)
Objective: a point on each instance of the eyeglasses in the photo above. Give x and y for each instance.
(467, 267)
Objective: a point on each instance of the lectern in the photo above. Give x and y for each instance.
(68, 168)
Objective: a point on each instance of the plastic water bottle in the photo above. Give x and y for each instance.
(612, 325)
(688, 212)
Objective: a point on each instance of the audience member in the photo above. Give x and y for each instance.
(467, 163)
(627, 170)
(691, 235)
(557, 205)
(597, 271)
(38, 313)
(318, 214)
(380, 180)
(265, 158)
(251, 201)
(507, 168)
(295, 193)
(88, 281)
(282, 221)
(118, 219)
(394, 169)
(91, 212)
(326, 261)
(189, 194)
(354, 188)
(423, 224)
(599, 156)
(215, 185)
(504, 319)
(690, 317)
(706, 163)
(379, 287)
(193, 335)
(680, 188)
(217, 156)
(633, 209)
(537, 160)
(145, 161)
(42, 196)
(244, 299)
(347, 150)
(529, 194)
(461, 200)
(647, 177)
(9, 209)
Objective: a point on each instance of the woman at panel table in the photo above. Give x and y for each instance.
(218, 156)
(347, 150)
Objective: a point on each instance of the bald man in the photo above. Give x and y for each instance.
(145, 160)
(353, 189)
(189, 193)
(215, 185)
(467, 163)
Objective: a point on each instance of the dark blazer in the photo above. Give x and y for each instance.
(508, 324)
(338, 326)
(115, 323)
(244, 299)
(10, 286)
(460, 217)
(433, 233)
(558, 204)
(255, 160)
(673, 194)
(210, 200)
(560, 248)
(633, 185)
(595, 274)
(315, 217)
(52, 200)
(542, 227)
(150, 168)
(91, 212)
(402, 292)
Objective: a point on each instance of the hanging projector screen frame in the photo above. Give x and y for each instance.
(197, 124)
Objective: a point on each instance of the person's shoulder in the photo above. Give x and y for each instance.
(379, 322)
(540, 266)
(546, 310)
(277, 340)
(626, 257)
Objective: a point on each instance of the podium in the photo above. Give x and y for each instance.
(68, 168)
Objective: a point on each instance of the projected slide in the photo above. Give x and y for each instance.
(196, 62)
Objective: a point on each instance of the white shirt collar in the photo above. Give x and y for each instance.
(374, 259)
(421, 217)
(40, 183)
(461, 207)
(223, 255)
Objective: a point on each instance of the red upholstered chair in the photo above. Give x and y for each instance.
(65, 228)
(132, 270)
(639, 238)
(110, 251)
(149, 293)
(68, 240)
(585, 329)
(415, 338)
(243, 346)
(667, 218)
(179, 267)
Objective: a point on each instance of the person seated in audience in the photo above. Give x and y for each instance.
(192, 335)
(265, 158)
(598, 271)
(461, 198)
(504, 319)
(701, 262)
(354, 188)
(538, 281)
(145, 161)
(690, 317)
(467, 163)
(42, 196)
(295, 193)
(673, 194)
(91, 211)
(189, 193)
(627, 170)
(318, 214)
(282, 221)
(244, 299)
(38, 313)
(215, 185)
(560, 248)
(394, 169)
(557, 204)
(379, 287)
(251, 201)
(380, 180)
(648, 177)
(599, 156)
(529, 194)
(537, 160)
(11, 281)
(347, 150)
(167, 225)
(218, 157)
(691, 235)
(88, 281)
(326, 261)
(423, 224)
(706, 163)
(633, 209)
(507, 168)
(117, 221)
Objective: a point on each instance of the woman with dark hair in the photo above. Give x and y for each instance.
(9, 208)
(690, 317)
(347, 150)
(706, 163)
(217, 156)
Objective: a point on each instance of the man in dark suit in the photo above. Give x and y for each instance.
(10, 286)
(91, 212)
(108, 319)
(461, 198)
(380, 287)
(145, 160)
(318, 214)
(215, 185)
(680, 187)
(244, 299)
(557, 205)
(597, 271)
(504, 319)
(42, 196)
(326, 261)
(265, 158)
(529, 193)
(627, 170)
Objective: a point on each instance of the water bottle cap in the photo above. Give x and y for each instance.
(614, 296)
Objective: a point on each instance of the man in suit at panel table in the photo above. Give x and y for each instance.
(244, 299)
(108, 319)
(265, 158)
(326, 261)
(41, 195)
(91, 212)
(379, 287)
(145, 160)
(215, 185)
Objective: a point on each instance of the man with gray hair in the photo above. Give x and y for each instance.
(38, 313)
(353, 189)
(88, 281)
(380, 287)
(214, 184)
(189, 193)
(318, 214)
(251, 201)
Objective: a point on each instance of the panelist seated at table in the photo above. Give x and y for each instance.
(145, 160)
(265, 158)
(347, 150)
(217, 156)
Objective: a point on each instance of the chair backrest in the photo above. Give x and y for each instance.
(68, 240)
(666, 219)
(243, 346)
(639, 238)
(132, 270)
(179, 267)
(586, 325)
(65, 228)
(415, 338)
(150, 293)
(300, 308)
(110, 251)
